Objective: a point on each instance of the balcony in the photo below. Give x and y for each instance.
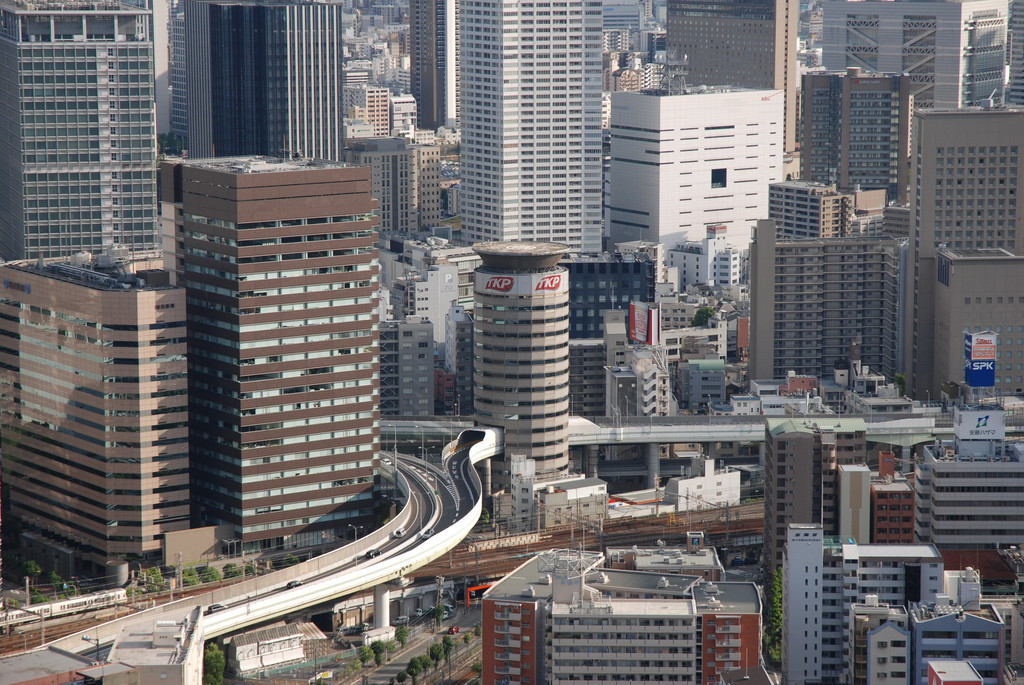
(507, 630)
(508, 616)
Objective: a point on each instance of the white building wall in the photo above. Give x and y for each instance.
(531, 121)
(801, 610)
(681, 162)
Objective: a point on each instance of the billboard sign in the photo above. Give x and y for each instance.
(644, 324)
(521, 284)
(980, 424)
(979, 359)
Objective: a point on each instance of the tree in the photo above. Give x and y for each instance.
(210, 574)
(289, 560)
(189, 577)
(365, 655)
(466, 637)
(448, 644)
(426, 663)
(232, 571)
(485, 516)
(702, 317)
(438, 614)
(379, 649)
(31, 569)
(53, 578)
(402, 635)
(901, 383)
(213, 665)
(154, 579)
(773, 617)
(436, 654)
(477, 667)
(476, 630)
(401, 677)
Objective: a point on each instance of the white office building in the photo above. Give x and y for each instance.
(823, 578)
(531, 122)
(954, 52)
(969, 491)
(680, 163)
(711, 261)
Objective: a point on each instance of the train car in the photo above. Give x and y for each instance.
(64, 607)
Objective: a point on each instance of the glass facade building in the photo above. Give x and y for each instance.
(77, 108)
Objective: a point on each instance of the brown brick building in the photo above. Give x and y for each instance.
(280, 267)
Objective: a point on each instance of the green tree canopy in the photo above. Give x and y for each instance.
(213, 665)
(702, 317)
(232, 570)
(210, 574)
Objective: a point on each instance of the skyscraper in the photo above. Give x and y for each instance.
(521, 370)
(281, 272)
(531, 122)
(434, 51)
(856, 131)
(264, 79)
(811, 298)
(954, 51)
(739, 43)
(79, 145)
(966, 181)
(95, 410)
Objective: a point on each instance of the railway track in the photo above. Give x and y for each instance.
(744, 519)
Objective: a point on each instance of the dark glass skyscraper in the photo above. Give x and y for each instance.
(264, 79)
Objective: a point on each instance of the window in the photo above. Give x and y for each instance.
(718, 178)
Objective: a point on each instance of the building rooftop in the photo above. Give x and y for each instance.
(669, 559)
(515, 254)
(257, 164)
(70, 7)
(39, 666)
(674, 607)
(977, 253)
(157, 642)
(780, 426)
(955, 671)
(723, 597)
(101, 272)
(900, 551)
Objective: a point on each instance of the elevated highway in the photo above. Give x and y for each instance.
(449, 515)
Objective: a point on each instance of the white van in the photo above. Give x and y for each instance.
(402, 621)
(399, 532)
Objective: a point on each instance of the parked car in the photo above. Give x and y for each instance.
(401, 621)
(452, 630)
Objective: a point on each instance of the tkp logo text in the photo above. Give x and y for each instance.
(500, 283)
(549, 282)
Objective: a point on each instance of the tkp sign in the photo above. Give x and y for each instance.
(549, 282)
(502, 284)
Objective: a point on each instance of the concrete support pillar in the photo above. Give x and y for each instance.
(760, 453)
(484, 469)
(653, 462)
(381, 606)
(591, 458)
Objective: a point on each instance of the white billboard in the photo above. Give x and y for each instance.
(522, 284)
(979, 424)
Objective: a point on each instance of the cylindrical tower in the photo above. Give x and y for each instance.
(521, 341)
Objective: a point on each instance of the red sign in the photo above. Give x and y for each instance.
(500, 283)
(550, 282)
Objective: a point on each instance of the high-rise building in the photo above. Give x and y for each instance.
(458, 354)
(602, 281)
(954, 52)
(521, 337)
(739, 43)
(811, 298)
(371, 105)
(682, 162)
(407, 367)
(967, 179)
(95, 410)
(434, 55)
(977, 290)
(803, 209)
(406, 180)
(828, 579)
(1015, 85)
(856, 131)
(531, 122)
(803, 458)
(264, 78)
(78, 152)
(281, 271)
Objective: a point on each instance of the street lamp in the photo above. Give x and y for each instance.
(355, 531)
